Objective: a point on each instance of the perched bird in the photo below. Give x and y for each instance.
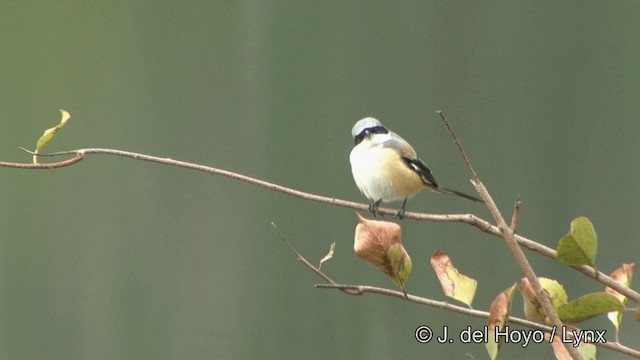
(386, 168)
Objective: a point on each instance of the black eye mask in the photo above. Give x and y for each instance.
(369, 131)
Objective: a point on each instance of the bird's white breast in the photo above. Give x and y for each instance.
(371, 165)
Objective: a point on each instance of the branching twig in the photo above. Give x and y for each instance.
(508, 234)
(366, 289)
(468, 219)
(316, 270)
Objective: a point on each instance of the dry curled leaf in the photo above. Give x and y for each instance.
(498, 315)
(623, 275)
(329, 255)
(380, 244)
(558, 343)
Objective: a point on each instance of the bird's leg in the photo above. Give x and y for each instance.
(400, 214)
(373, 208)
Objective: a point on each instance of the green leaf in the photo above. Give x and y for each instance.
(532, 308)
(557, 294)
(466, 286)
(587, 351)
(579, 246)
(492, 347)
(50, 133)
(589, 306)
(400, 264)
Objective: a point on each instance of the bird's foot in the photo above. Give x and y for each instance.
(400, 214)
(373, 208)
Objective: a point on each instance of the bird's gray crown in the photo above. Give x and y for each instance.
(363, 124)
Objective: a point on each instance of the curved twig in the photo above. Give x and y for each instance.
(32, 166)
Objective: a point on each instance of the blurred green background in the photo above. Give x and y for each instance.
(118, 259)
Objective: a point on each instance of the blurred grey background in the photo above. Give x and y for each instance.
(118, 259)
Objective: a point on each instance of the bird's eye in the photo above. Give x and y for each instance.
(378, 130)
(358, 139)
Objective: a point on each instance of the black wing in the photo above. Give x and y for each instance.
(423, 170)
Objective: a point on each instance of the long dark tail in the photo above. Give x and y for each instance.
(457, 193)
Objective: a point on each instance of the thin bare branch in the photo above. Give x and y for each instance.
(306, 262)
(458, 144)
(39, 166)
(515, 216)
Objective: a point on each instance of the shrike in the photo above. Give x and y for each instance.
(386, 168)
